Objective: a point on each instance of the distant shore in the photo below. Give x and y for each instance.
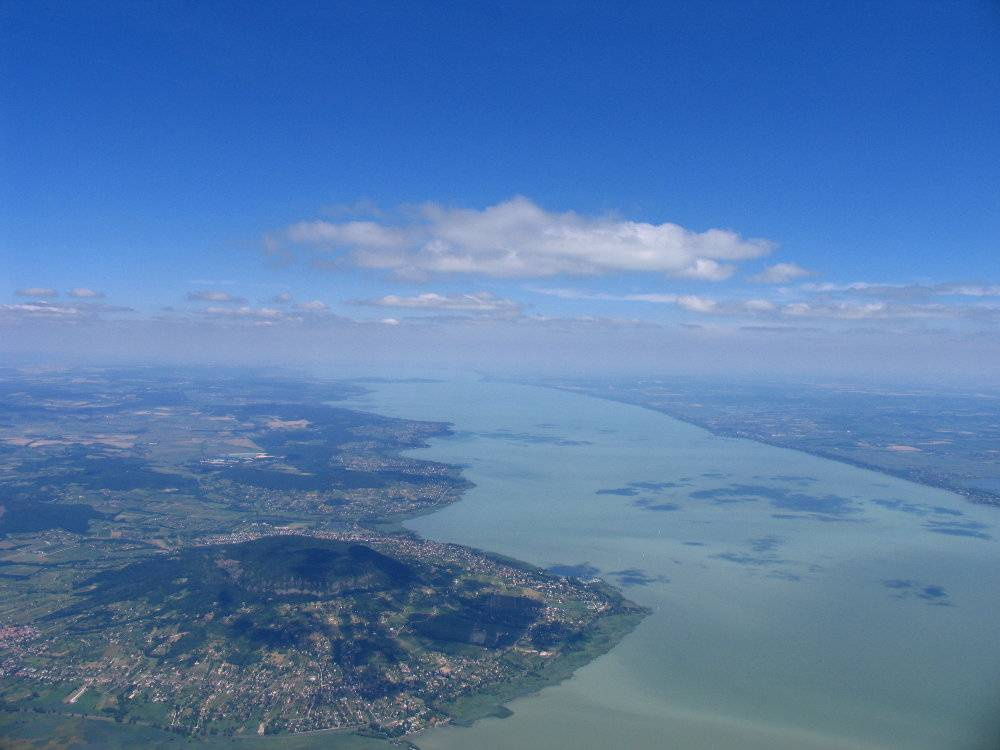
(980, 497)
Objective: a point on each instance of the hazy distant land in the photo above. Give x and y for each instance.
(947, 439)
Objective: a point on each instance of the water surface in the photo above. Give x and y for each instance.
(797, 602)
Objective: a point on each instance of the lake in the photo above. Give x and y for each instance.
(797, 602)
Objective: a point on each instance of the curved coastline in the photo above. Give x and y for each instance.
(608, 623)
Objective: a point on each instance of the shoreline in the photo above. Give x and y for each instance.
(598, 638)
(976, 497)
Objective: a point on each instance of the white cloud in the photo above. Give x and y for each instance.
(707, 270)
(367, 234)
(244, 312)
(780, 273)
(40, 309)
(968, 290)
(909, 290)
(697, 304)
(847, 310)
(390, 321)
(281, 299)
(314, 306)
(312, 312)
(208, 295)
(37, 291)
(572, 293)
(818, 308)
(690, 302)
(659, 299)
(471, 302)
(84, 293)
(517, 238)
(857, 286)
(668, 299)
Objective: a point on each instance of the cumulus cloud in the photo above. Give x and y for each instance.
(483, 302)
(281, 299)
(707, 270)
(780, 273)
(37, 292)
(517, 238)
(209, 295)
(84, 293)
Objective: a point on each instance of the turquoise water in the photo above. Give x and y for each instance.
(797, 602)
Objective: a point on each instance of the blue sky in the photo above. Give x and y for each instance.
(748, 183)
